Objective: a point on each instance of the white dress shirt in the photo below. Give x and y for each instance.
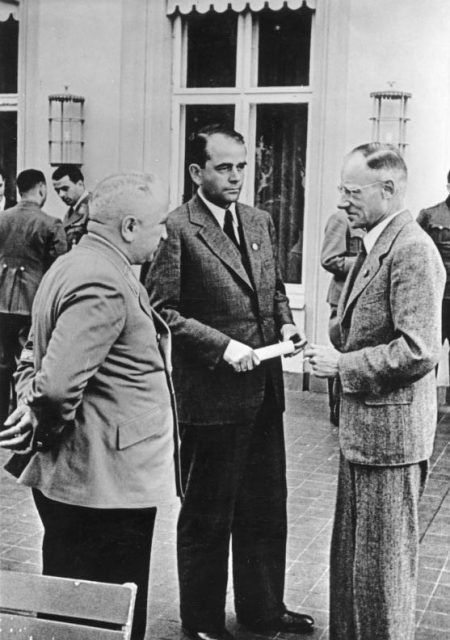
(372, 236)
(219, 213)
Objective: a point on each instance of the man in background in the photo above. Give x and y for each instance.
(216, 282)
(30, 240)
(94, 396)
(68, 182)
(386, 338)
(340, 246)
(436, 222)
(5, 202)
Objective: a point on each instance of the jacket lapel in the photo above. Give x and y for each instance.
(372, 264)
(253, 240)
(213, 236)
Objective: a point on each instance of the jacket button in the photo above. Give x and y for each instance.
(5, 266)
(22, 268)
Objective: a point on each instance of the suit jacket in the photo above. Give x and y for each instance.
(388, 330)
(101, 384)
(30, 240)
(76, 219)
(340, 246)
(436, 222)
(200, 286)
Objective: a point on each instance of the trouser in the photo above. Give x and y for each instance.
(104, 545)
(374, 552)
(446, 325)
(14, 330)
(235, 485)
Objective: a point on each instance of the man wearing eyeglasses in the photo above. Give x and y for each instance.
(386, 339)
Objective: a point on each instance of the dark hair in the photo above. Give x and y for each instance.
(74, 174)
(382, 156)
(197, 143)
(28, 179)
(2, 173)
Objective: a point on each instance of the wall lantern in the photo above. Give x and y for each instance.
(390, 117)
(65, 129)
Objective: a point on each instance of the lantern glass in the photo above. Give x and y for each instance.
(389, 117)
(66, 129)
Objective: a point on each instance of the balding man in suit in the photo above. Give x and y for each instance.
(386, 338)
(95, 398)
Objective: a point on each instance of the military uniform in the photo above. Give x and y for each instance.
(30, 240)
(436, 222)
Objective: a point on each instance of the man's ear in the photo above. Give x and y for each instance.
(128, 228)
(389, 188)
(195, 171)
(448, 187)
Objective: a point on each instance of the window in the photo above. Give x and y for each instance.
(9, 32)
(250, 70)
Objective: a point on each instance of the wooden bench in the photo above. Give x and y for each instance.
(76, 609)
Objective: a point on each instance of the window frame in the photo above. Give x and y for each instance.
(246, 96)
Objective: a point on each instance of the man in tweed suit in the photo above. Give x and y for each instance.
(387, 338)
(216, 282)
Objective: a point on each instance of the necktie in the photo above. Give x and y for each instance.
(228, 227)
(360, 258)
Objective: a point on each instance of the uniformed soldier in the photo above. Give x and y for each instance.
(436, 222)
(30, 240)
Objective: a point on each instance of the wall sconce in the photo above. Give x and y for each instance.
(389, 117)
(65, 129)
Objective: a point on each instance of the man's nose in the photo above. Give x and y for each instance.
(235, 175)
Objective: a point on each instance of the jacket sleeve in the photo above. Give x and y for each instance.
(416, 287)
(333, 256)
(89, 319)
(163, 284)
(57, 243)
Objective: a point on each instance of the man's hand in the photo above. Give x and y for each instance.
(240, 356)
(287, 332)
(323, 360)
(18, 436)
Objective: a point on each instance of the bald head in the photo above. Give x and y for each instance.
(128, 209)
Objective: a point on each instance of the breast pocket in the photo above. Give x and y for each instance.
(146, 425)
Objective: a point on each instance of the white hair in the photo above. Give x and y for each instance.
(112, 196)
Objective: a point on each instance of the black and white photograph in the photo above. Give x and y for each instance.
(224, 319)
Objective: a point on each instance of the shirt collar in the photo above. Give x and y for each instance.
(372, 236)
(2, 203)
(219, 212)
(78, 202)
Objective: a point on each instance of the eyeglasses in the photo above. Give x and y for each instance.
(354, 192)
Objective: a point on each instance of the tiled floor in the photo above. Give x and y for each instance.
(312, 464)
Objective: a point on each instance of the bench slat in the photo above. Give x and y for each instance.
(16, 627)
(65, 597)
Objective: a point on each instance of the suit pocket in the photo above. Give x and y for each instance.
(404, 395)
(146, 425)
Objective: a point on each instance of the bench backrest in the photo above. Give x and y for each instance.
(35, 607)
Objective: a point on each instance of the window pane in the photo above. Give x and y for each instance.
(198, 116)
(211, 56)
(9, 34)
(279, 178)
(284, 48)
(8, 150)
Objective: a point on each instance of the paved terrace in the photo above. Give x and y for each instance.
(312, 466)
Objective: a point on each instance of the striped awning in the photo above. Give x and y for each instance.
(202, 6)
(7, 8)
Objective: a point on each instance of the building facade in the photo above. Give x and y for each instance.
(293, 76)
